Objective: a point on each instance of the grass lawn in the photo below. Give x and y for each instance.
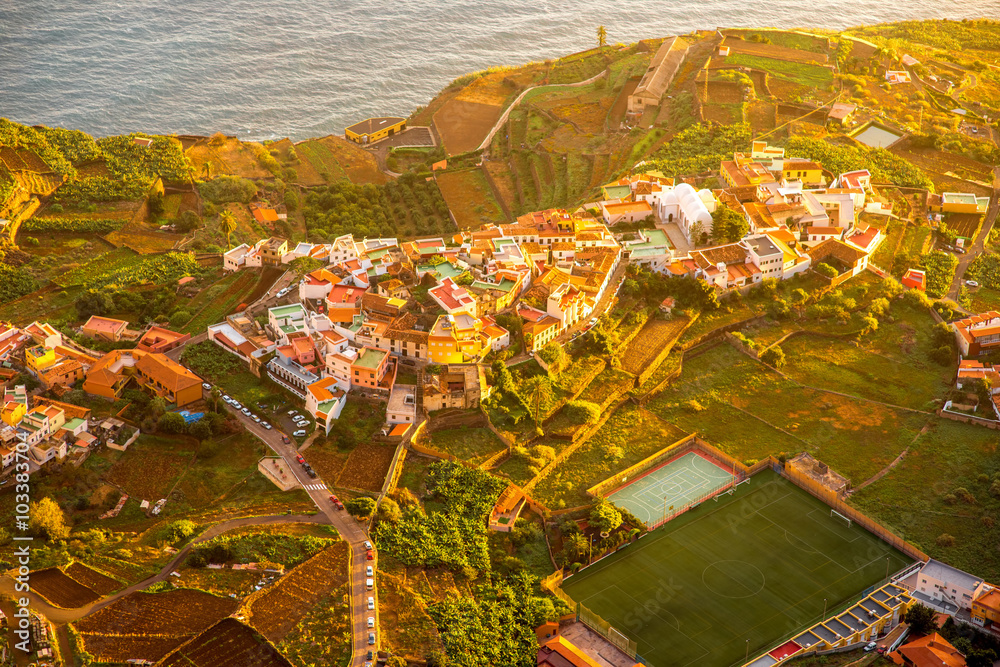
(109, 262)
(914, 497)
(609, 383)
(629, 436)
(469, 444)
(755, 566)
(983, 300)
(750, 412)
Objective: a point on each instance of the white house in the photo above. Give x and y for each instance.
(402, 408)
(236, 258)
(942, 583)
(325, 400)
(687, 207)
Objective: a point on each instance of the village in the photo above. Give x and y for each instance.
(519, 378)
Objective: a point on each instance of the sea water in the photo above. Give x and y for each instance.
(300, 68)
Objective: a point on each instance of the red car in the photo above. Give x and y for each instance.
(369, 556)
(285, 439)
(298, 457)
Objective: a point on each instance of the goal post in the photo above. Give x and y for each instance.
(835, 513)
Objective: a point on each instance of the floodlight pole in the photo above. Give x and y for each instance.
(887, 569)
(824, 611)
(747, 658)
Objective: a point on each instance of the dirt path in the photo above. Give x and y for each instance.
(60, 615)
(885, 471)
(503, 117)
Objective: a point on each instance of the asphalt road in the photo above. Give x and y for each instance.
(980, 243)
(350, 530)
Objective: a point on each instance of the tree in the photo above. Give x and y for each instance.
(171, 422)
(921, 619)
(395, 661)
(984, 390)
(227, 225)
(575, 547)
(602, 36)
(48, 521)
(305, 265)
(728, 225)
(437, 659)
(981, 658)
(605, 517)
(181, 530)
(773, 356)
(538, 388)
(201, 429)
(389, 511)
(94, 302)
(361, 507)
(825, 269)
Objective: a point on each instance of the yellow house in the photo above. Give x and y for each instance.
(374, 129)
(986, 608)
(39, 358)
(806, 171)
(13, 412)
(455, 339)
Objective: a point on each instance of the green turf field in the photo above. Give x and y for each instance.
(665, 490)
(755, 565)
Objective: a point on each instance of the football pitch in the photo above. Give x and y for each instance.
(756, 565)
(671, 486)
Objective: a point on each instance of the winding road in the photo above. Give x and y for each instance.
(350, 530)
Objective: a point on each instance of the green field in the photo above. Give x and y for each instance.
(756, 565)
(814, 76)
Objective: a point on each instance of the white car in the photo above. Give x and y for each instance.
(283, 292)
(236, 404)
(206, 386)
(369, 571)
(246, 411)
(266, 425)
(299, 434)
(870, 646)
(255, 418)
(293, 412)
(368, 545)
(371, 638)
(227, 398)
(369, 584)
(371, 603)
(371, 621)
(972, 283)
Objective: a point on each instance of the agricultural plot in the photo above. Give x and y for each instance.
(609, 385)
(776, 52)
(92, 579)
(463, 125)
(149, 625)
(215, 156)
(228, 643)
(630, 435)
(366, 467)
(151, 466)
(469, 444)
(340, 159)
(142, 239)
(801, 73)
(275, 611)
(61, 590)
(655, 336)
(406, 626)
(323, 636)
(115, 260)
(470, 198)
(213, 303)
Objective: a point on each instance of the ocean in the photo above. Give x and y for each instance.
(299, 68)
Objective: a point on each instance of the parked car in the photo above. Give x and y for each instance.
(369, 583)
(369, 571)
(369, 555)
(299, 434)
(206, 386)
(255, 418)
(246, 411)
(266, 425)
(236, 404)
(371, 638)
(227, 398)
(285, 440)
(334, 500)
(293, 412)
(870, 646)
(298, 457)
(283, 292)
(368, 545)
(371, 621)
(312, 473)
(371, 602)
(972, 283)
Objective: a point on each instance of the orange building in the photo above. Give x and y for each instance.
(104, 328)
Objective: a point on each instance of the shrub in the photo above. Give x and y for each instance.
(945, 540)
(825, 269)
(226, 189)
(774, 356)
(583, 411)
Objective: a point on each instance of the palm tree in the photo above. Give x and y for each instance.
(602, 36)
(227, 223)
(538, 387)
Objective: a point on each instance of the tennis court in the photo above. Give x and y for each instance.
(666, 489)
(755, 565)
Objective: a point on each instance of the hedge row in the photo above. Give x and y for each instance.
(88, 225)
